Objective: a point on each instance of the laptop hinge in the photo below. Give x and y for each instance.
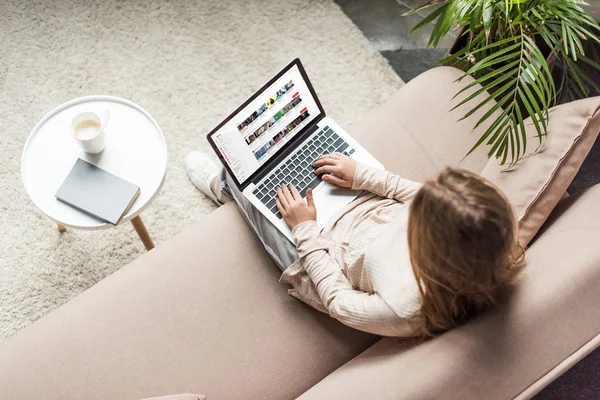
(268, 167)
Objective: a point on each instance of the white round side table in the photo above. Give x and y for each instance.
(135, 151)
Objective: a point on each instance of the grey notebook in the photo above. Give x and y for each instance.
(97, 192)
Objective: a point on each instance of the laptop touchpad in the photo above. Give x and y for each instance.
(330, 199)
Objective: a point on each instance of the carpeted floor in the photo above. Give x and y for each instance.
(188, 63)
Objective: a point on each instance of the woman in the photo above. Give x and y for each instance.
(402, 259)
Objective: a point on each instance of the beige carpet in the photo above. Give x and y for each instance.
(189, 64)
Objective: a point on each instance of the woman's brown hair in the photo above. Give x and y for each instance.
(462, 237)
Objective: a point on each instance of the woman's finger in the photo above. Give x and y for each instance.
(288, 195)
(335, 180)
(322, 157)
(325, 160)
(281, 197)
(280, 207)
(327, 169)
(295, 193)
(310, 200)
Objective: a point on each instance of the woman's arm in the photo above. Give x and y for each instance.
(384, 183)
(363, 311)
(343, 171)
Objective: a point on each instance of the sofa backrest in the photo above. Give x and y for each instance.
(414, 133)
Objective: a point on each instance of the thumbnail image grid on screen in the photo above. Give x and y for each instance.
(266, 105)
(273, 120)
(260, 152)
(276, 134)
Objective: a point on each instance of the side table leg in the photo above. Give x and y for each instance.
(61, 228)
(142, 232)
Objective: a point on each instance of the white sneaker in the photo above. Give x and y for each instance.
(202, 171)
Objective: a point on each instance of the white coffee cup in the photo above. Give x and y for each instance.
(88, 130)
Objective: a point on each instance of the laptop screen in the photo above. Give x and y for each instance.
(269, 120)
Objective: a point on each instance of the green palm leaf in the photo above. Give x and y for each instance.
(513, 86)
(524, 74)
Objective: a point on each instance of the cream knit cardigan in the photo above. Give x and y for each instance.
(357, 268)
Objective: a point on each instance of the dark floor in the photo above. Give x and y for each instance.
(382, 23)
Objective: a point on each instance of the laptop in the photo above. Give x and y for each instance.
(274, 137)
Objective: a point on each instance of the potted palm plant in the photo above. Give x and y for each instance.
(527, 54)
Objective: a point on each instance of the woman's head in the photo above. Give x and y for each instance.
(462, 236)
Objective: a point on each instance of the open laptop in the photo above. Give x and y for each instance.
(275, 136)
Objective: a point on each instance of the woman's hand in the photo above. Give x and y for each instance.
(336, 168)
(292, 207)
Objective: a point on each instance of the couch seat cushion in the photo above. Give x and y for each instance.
(201, 313)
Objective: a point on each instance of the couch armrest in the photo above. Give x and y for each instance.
(415, 134)
(553, 313)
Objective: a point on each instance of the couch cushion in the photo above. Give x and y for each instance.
(537, 183)
(553, 312)
(202, 313)
(415, 134)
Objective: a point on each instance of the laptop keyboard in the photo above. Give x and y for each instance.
(297, 169)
